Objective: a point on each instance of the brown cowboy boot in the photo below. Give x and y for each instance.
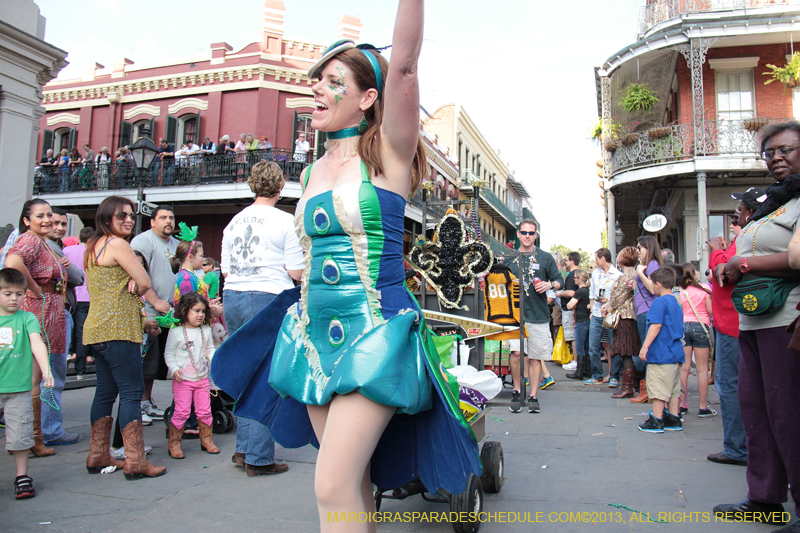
(626, 390)
(642, 398)
(39, 449)
(175, 436)
(206, 442)
(99, 442)
(136, 464)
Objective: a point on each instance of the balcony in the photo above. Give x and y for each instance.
(196, 170)
(667, 144)
(490, 202)
(660, 11)
(435, 212)
(498, 248)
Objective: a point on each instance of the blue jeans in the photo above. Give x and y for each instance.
(81, 350)
(726, 380)
(582, 338)
(252, 438)
(52, 417)
(119, 371)
(596, 346)
(641, 323)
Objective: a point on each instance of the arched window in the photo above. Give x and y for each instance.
(61, 140)
(188, 129)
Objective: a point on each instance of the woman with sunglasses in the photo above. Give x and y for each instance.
(116, 280)
(649, 261)
(47, 280)
(769, 370)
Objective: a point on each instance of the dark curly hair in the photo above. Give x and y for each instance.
(187, 301)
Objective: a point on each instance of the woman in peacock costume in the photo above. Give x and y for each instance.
(352, 367)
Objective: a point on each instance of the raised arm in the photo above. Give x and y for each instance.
(400, 127)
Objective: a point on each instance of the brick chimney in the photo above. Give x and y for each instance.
(349, 27)
(272, 13)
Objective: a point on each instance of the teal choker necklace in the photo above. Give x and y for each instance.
(344, 134)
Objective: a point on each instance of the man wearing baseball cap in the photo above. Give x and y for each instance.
(726, 322)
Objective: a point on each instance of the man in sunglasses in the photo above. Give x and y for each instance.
(539, 274)
(726, 322)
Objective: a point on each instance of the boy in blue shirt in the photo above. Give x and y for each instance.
(663, 351)
(19, 338)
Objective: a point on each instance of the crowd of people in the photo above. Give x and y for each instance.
(321, 319)
(650, 319)
(184, 163)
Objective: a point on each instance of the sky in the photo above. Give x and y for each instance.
(522, 69)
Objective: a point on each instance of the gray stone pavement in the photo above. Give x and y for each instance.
(576, 456)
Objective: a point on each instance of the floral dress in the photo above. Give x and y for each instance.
(46, 270)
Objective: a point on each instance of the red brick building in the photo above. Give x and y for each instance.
(261, 89)
(704, 62)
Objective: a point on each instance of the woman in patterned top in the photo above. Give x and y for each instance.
(113, 331)
(47, 279)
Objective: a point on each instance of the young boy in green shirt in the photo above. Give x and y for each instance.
(20, 338)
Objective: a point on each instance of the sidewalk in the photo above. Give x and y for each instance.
(576, 456)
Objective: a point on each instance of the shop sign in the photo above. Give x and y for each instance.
(654, 223)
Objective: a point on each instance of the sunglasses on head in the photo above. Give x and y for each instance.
(122, 215)
(527, 232)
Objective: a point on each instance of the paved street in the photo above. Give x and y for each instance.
(578, 455)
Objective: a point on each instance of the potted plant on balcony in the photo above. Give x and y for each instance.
(789, 75)
(659, 132)
(638, 97)
(631, 136)
(755, 124)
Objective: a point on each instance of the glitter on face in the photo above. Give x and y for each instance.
(338, 86)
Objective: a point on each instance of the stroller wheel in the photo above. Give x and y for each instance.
(220, 423)
(231, 421)
(167, 416)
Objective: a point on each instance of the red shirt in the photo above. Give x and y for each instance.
(726, 319)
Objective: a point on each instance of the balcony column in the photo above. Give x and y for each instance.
(611, 217)
(702, 224)
(695, 54)
(605, 101)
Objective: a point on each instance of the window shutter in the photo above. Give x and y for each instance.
(294, 130)
(171, 134)
(198, 138)
(73, 137)
(47, 141)
(125, 132)
(153, 129)
(322, 137)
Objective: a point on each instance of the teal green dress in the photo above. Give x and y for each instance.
(354, 327)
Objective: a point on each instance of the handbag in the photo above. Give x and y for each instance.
(561, 352)
(611, 320)
(762, 295)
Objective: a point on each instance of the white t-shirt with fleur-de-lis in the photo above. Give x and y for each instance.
(258, 246)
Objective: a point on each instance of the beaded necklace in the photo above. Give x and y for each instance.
(207, 363)
(756, 224)
(61, 282)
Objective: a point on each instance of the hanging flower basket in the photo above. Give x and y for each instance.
(610, 145)
(659, 133)
(790, 83)
(755, 124)
(629, 139)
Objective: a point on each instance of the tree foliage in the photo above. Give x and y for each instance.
(586, 257)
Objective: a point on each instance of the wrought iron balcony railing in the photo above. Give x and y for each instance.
(498, 248)
(495, 205)
(674, 143)
(662, 10)
(435, 212)
(195, 170)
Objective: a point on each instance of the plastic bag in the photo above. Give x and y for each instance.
(561, 353)
(485, 382)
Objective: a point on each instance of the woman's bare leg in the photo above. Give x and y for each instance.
(701, 360)
(351, 431)
(685, 368)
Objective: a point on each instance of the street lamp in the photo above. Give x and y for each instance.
(143, 152)
(618, 235)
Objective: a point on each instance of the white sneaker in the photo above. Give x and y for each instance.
(118, 454)
(146, 420)
(149, 408)
(572, 365)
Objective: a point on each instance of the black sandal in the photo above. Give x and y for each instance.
(23, 488)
